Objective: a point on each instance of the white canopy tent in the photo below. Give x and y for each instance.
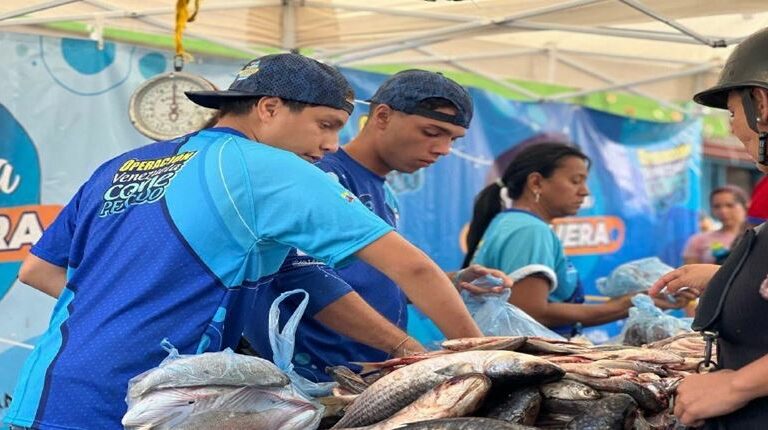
(661, 49)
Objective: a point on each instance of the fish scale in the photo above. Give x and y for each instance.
(401, 387)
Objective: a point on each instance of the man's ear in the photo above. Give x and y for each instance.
(267, 107)
(381, 115)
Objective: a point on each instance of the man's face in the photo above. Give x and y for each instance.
(311, 133)
(411, 142)
(740, 128)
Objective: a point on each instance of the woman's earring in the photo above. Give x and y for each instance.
(538, 195)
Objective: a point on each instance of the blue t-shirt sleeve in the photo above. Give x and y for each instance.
(301, 206)
(54, 245)
(323, 284)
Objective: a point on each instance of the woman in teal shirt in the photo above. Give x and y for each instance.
(510, 231)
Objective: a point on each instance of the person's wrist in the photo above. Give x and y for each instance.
(742, 387)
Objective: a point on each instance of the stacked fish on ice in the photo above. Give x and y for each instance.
(216, 390)
(480, 383)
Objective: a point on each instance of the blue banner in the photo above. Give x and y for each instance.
(63, 111)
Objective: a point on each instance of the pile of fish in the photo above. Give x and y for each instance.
(217, 390)
(517, 382)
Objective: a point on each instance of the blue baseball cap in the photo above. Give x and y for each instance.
(288, 76)
(405, 90)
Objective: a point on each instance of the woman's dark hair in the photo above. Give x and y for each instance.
(738, 194)
(543, 158)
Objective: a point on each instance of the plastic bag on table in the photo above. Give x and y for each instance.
(647, 323)
(217, 406)
(224, 368)
(632, 277)
(283, 343)
(215, 389)
(497, 317)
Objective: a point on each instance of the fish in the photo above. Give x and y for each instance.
(536, 345)
(612, 412)
(636, 366)
(210, 368)
(347, 379)
(466, 423)
(655, 356)
(515, 405)
(456, 397)
(237, 407)
(401, 387)
(487, 343)
(645, 395)
(397, 362)
(587, 369)
(569, 390)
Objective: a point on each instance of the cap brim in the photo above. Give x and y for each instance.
(214, 99)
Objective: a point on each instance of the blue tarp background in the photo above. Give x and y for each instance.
(63, 111)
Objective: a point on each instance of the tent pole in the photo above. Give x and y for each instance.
(35, 8)
(715, 43)
(495, 79)
(605, 78)
(289, 25)
(444, 58)
(445, 33)
(687, 72)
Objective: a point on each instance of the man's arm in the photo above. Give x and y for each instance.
(353, 317)
(42, 275)
(425, 284)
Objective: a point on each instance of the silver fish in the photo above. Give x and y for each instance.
(569, 390)
(210, 368)
(646, 395)
(197, 407)
(486, 343)
(456, 397)
(396, 390)
(347, 379)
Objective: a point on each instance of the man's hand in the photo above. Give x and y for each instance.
(687, 281)
(695, 401)
(465, 277)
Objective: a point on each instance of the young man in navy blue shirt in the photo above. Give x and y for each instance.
(357, 313)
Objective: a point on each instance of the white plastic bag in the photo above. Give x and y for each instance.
(632, 277)
(647, 323)
(497, 317)
(283, 343)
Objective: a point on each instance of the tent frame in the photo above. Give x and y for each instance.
(464, 25)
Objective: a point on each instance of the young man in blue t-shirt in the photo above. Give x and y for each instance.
(169, 240)
(357, 313)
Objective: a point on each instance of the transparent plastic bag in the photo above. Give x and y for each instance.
(632, 277)
(647, 323)
(215, 389)
(497, 317)
(223, 368)
(283, 343)
(217, 406)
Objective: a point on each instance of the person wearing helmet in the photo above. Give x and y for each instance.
(733, 310)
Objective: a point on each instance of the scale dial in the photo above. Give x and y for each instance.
(160, 110)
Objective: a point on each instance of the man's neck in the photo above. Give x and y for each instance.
(362, 150)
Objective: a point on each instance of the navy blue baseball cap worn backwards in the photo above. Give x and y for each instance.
(405, 90)
(288, 76)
